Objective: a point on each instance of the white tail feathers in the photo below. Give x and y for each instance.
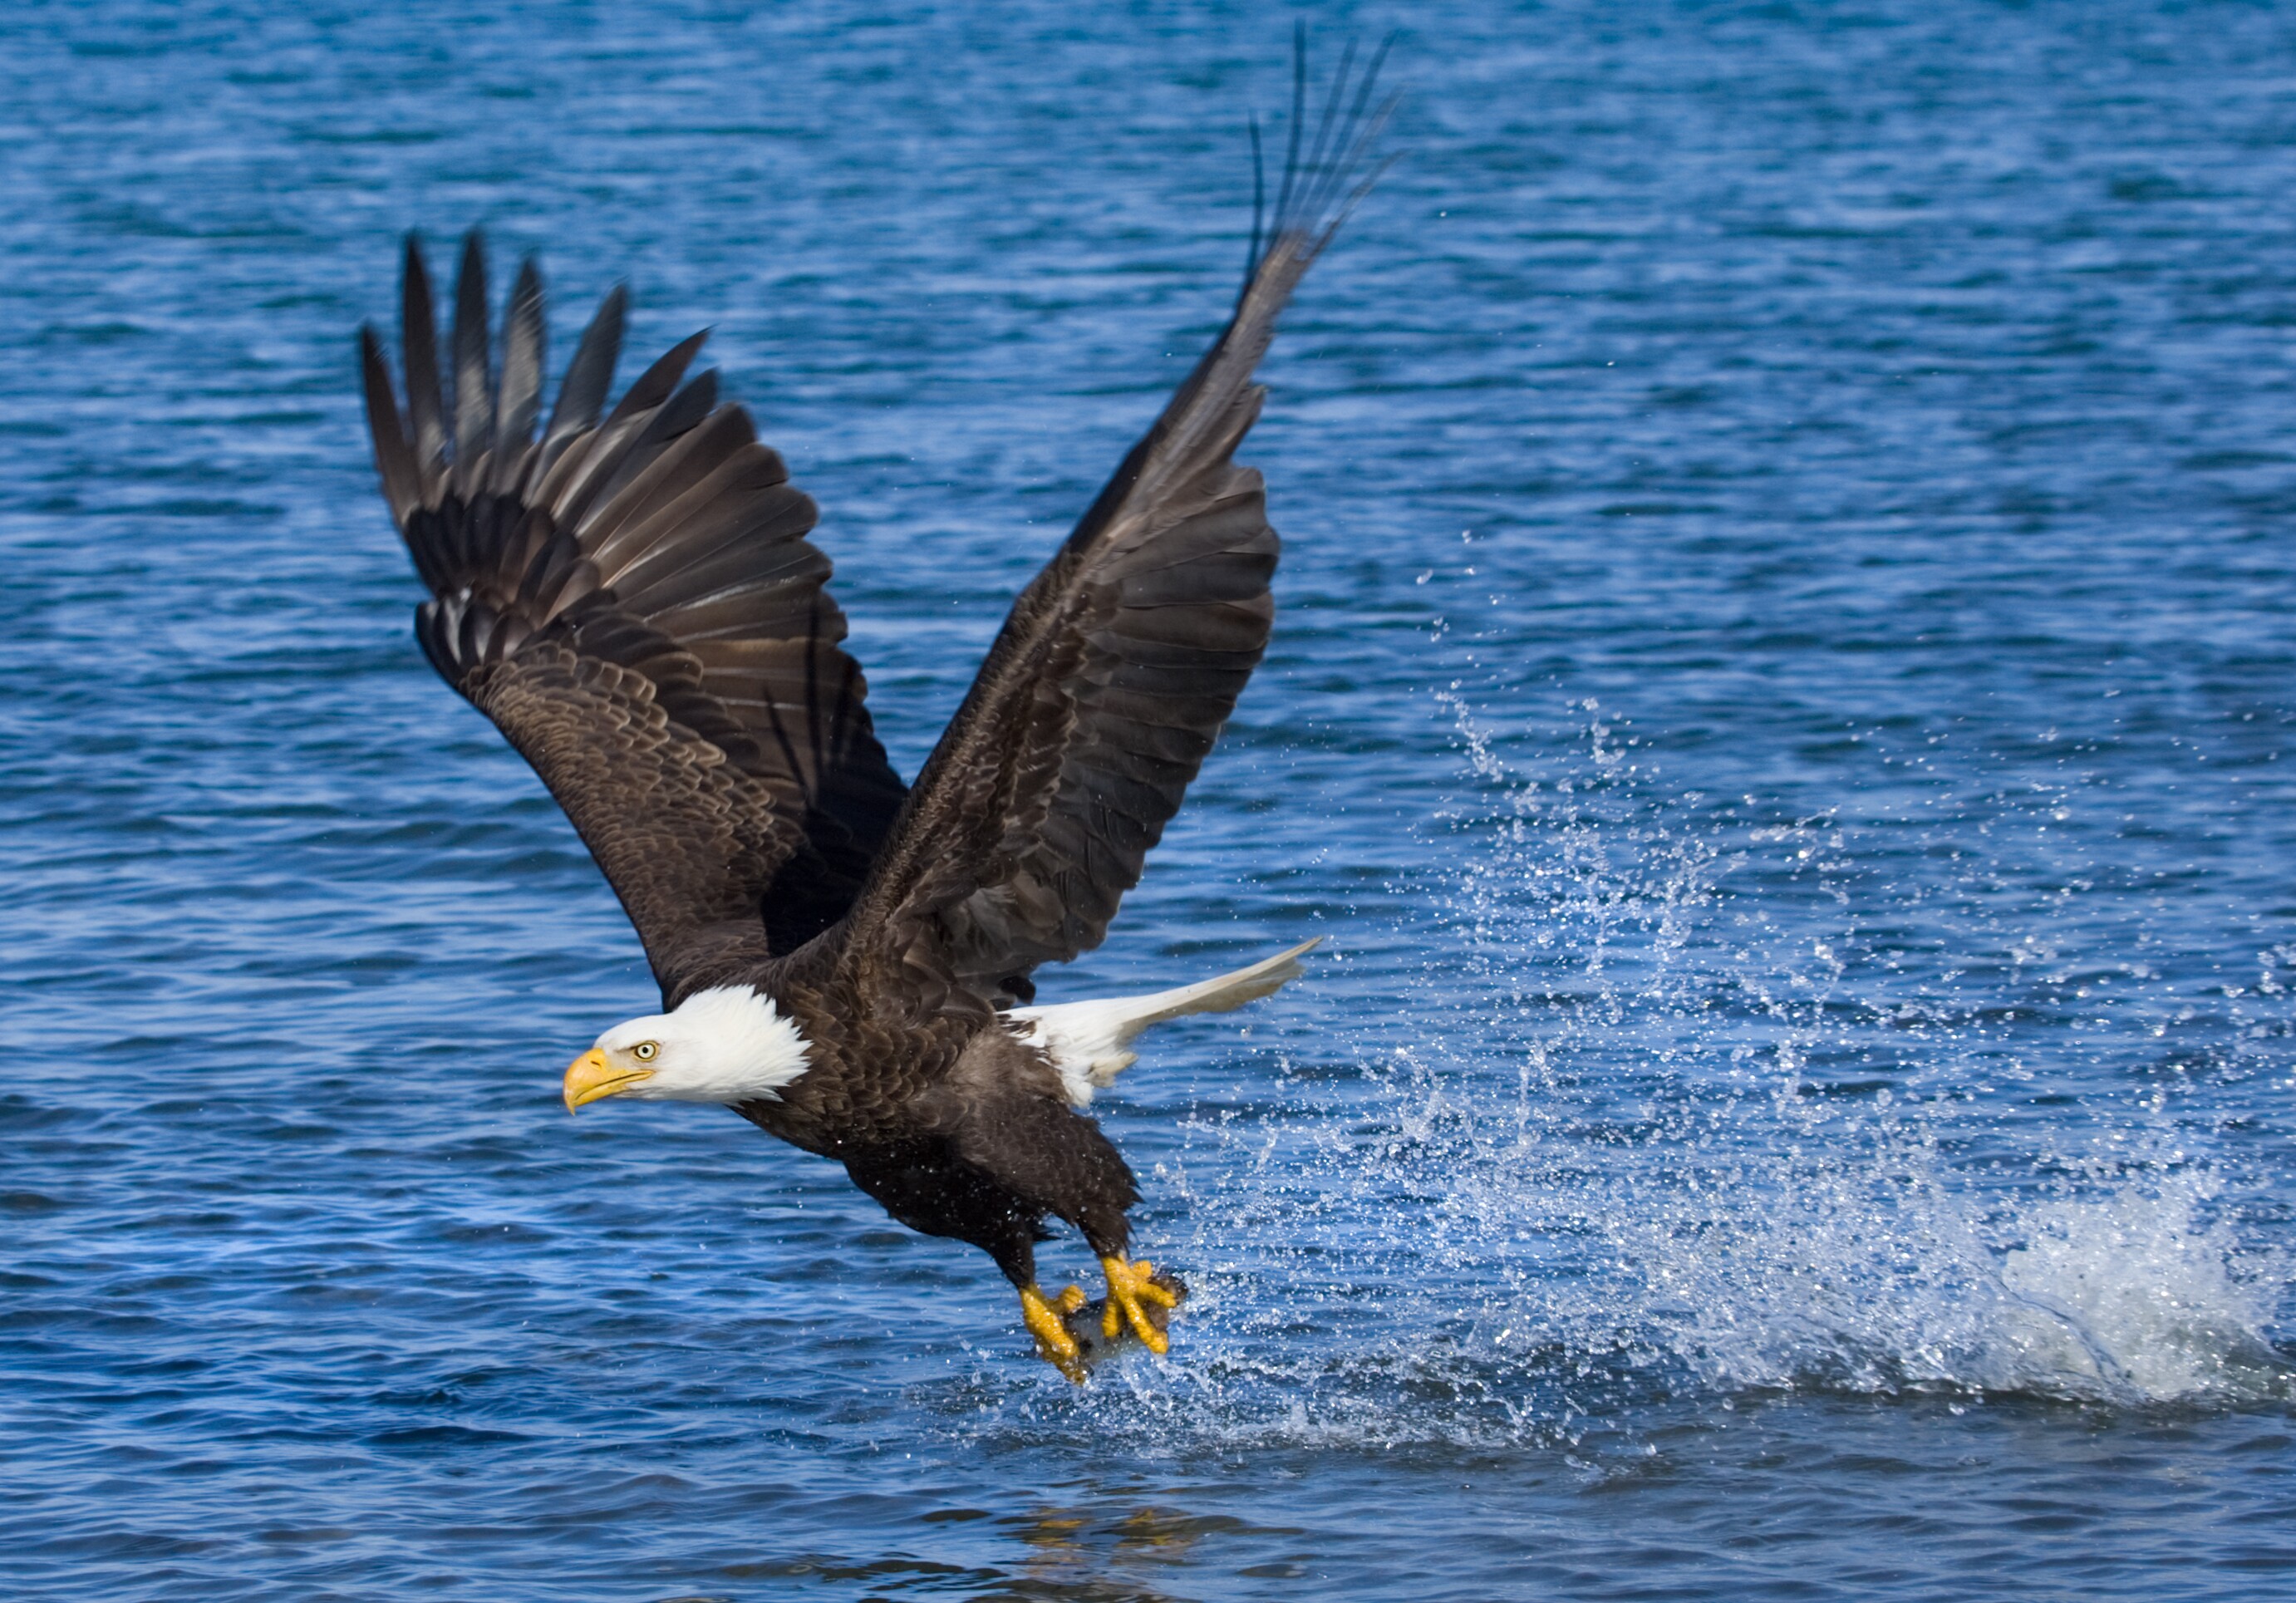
(1090, 1042)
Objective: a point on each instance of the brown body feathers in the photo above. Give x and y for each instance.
(631, 595)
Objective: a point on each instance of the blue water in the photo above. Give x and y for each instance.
(1782, 707)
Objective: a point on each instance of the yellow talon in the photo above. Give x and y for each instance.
(1128, 1286)
(1069, 1301)
(1055, 1345)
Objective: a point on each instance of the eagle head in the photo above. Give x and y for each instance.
(729, 1044)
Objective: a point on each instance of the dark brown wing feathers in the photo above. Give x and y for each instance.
(1118, 664)
(634, 603)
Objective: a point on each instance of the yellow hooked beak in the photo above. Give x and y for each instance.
(590, 1077)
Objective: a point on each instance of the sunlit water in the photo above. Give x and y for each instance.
(1779, 707)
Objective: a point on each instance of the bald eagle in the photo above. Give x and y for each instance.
(630, 594)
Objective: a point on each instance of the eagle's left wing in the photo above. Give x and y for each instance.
(631, 598)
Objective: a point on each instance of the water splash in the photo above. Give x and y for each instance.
(1666, 1126)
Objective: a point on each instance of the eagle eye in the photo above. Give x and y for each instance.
(645, 1051)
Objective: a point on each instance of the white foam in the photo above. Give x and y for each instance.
(1644, 1140)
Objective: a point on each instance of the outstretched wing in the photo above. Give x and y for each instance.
(631, 598)
(1119, 663)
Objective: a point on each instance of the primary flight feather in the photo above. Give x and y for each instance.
(630, 596)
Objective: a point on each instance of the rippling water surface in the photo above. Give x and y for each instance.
(1779, 707)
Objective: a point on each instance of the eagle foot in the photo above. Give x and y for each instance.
(1055, 1345)
(1132, 1290)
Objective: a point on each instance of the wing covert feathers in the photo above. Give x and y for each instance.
(634, 602)
(631, 598)
(1120, 663)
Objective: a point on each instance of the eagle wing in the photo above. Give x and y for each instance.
(630, 596)
(1118, 665)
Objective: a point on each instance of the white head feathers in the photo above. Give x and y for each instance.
(729, 1044)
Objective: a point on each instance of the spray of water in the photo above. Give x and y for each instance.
(1661, 1124)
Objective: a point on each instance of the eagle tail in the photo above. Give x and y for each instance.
(1090, 1042)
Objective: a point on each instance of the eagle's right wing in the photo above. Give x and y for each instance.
(633, 600)
(1118, 665)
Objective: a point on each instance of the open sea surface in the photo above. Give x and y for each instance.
(1787, 654)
